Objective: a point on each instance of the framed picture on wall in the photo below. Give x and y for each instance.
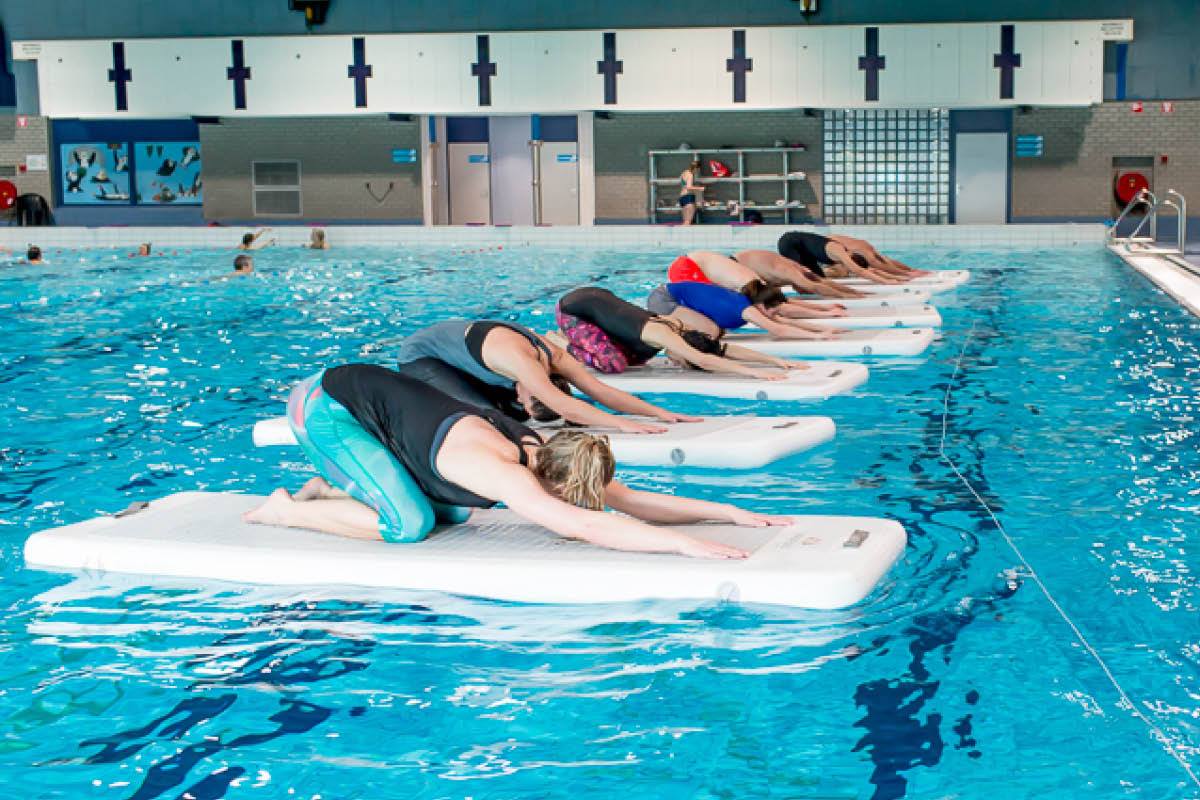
(95, 173)
(168, 173)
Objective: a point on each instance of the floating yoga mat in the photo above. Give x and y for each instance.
(721, 442)
(822, 379)
(884, 342)
(817, 562)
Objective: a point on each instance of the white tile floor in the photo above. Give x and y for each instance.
(721, 237)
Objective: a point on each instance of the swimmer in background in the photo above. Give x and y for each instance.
(516, 360)
(242, 265)
(34, 255)
(433, 458)
(142, 251)
(250, 241)
(316, 240)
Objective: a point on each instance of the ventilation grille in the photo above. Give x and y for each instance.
(276, 188)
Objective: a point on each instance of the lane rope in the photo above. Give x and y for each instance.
(1155, 730)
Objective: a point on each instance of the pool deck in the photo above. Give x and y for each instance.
(633, 237)
(1178, 276)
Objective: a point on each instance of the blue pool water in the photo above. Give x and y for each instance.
(1071, 391)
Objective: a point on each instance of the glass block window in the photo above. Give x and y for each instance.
(887, 167)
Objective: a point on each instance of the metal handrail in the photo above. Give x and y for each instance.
(1138, 199)
(1169, 203)
(1181, 231)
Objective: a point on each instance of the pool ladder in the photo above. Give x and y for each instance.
(1172, 199)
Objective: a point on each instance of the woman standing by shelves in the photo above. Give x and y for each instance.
(690, 192)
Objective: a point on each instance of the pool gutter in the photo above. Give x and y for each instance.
(1166, 269)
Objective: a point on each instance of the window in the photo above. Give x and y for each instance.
(887, 167)
(276, 188)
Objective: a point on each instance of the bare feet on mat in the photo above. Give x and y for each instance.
(318, 489)
(271, 512)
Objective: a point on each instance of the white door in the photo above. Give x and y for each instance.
(469, 183)
(512, 170)
(560, 183)
(981, 178)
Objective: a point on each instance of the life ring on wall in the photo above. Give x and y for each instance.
(8, 195)
(1128, 185)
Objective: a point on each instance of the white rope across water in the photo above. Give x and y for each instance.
(1032, 573)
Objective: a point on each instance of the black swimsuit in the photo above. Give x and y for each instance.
(807, 249)
(621, 320)
(411, 419)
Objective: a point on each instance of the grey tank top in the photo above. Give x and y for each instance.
(459, 343)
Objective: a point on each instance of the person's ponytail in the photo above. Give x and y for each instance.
(578, 466)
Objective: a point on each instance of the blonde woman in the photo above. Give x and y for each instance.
(690, 192)
(396, 455)
(316, 240)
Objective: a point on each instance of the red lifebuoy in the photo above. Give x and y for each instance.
(1128, 185)
(8, 195)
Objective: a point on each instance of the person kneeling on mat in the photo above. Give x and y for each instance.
(776, 270)
(469, 389)
(517, 360)
(396, 457)
(712, 309)
(702, 266)
(609, 335)
(837, 256)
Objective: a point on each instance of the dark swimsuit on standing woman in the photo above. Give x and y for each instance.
(686, 199)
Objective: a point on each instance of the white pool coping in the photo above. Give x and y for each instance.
(1166, 270)
(723, 237)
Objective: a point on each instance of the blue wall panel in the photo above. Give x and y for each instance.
(1163, 60)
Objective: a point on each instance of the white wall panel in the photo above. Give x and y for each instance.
(555, 71)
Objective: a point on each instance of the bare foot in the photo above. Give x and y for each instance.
(315, 489)
(271, 512)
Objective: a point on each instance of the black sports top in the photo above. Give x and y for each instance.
(621, 320)
(411, 419)
(805, 248)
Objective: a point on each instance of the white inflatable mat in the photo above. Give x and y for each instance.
(885, 342)
(898, 316)
(822, 379)
(722, 442)
(917, 297)
(948, 278)
(818, 562)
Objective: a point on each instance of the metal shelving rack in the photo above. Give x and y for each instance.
(667, 203)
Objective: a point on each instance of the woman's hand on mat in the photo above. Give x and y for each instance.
(787, 363)
(699, 548)
(671, 416)
(751, 519)
(768, 375)
(630, 426)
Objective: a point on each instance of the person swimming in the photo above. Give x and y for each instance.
(396, 454)
(518, 361)
(34, 255)
(243, 265)
(252, 241)
(316, 240)
(610, 335)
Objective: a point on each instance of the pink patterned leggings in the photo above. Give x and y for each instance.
(591, 345)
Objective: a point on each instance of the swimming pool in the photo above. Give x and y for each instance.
(1062, 388)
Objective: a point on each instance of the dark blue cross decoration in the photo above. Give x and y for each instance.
(239, 73)
(360, 70)
(871, 63)
(484, 69)
(739, 65)
(119, 75)
(610, 68)
(1007, 60)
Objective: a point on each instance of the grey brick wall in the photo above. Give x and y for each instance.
(338, 157)
(1074, 178)
(16, 143)
(623, 140)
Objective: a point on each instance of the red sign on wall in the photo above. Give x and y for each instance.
(22, 122)
(1136, 107)
(1168, 107)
